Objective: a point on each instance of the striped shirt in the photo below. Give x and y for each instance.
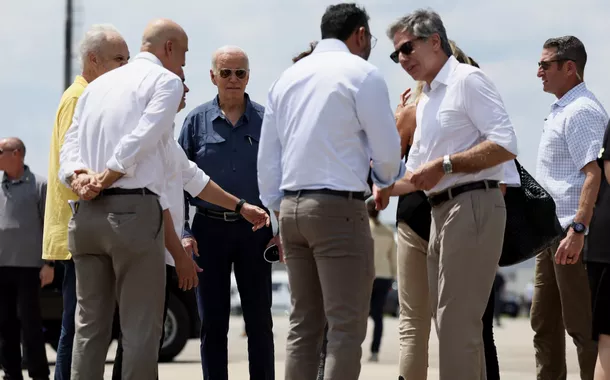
(571, 138)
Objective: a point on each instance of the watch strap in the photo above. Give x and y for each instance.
(239, 205)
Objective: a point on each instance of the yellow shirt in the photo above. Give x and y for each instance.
(57, 211)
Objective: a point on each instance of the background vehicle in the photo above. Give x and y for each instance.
(182, 321)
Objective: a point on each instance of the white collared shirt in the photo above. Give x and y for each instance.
(182, 175)
(460, 109)
(326, 117)
(121, 122)
(571, 138)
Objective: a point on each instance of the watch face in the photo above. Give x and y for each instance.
(579, 227)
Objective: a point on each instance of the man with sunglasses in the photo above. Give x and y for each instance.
(22, 270)
(571, 140)
(222, 137)
(463, 137)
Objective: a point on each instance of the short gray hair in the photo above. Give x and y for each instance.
(94, 38)
(229, 49)
(422, 23)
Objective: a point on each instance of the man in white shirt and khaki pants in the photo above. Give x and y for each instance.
(116, 156)
(328, 121)
(463, 136)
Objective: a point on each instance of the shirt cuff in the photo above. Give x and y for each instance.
(196, 185)
(273, 203)
(163, 202)
(114, 165)
(508, 144)
(382, 184)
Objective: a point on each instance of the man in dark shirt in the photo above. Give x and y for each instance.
(22, 271)
(222, 137)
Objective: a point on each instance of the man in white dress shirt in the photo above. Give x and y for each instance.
(463, 136)
(116, 156)
(328, 121)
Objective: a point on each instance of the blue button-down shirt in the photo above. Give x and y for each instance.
(225, 152)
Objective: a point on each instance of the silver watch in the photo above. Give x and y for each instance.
(447, 166)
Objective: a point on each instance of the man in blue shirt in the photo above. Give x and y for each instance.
(222, 137)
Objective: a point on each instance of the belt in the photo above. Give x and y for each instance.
(359, 195)
(120, 191)
(227, 216)
(453, 192)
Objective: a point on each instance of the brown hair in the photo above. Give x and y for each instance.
(312, 46)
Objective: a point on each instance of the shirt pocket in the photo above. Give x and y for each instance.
(210, 146)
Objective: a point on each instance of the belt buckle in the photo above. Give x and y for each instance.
(224, 214)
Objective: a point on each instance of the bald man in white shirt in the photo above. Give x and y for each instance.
(122, 129)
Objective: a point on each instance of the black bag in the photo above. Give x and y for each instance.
(531, 220)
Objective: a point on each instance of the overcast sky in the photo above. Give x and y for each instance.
(505, 37)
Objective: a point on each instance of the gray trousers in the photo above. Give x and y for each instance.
(118, 250)
(329, 256)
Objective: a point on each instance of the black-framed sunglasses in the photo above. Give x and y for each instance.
(545, 65)
(239, 73)
(406, 49)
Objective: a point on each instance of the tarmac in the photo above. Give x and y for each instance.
(513, 340)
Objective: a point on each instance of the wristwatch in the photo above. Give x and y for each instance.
(447, 166)
(579, 228)
(239, 205)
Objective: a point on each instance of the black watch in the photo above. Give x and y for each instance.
(579, 228)
(49, 263)
(239, 205)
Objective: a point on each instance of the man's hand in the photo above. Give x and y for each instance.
(187, 271)
(278, 242)
(255, 215)
(85, 185)
(428, 175)
(190, 246)
(382, 197)
(503, 188)
(570, 248)
(404, 98)
(47, 274)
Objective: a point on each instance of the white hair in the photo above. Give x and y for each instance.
(226, 50)
(94, 38)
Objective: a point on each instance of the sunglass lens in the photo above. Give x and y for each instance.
(241, 74)
(394, 56)
(406, 48)
(225, 73)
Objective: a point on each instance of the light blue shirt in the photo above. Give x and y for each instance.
(326, 118)
(571, 138)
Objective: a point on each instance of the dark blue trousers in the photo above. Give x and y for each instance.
(222, 244)
(63, 362)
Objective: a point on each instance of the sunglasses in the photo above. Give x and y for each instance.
(6, 150)
(406, 49)
(239, 73)
(545, 65)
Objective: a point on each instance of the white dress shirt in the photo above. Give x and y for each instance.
(120, 122)
(460, 109)
(326, 117)
(182, 175)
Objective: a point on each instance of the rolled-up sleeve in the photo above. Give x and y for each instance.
(377, 120)
(484, 105)
(155, 121)
(69, 153)
(269, 159)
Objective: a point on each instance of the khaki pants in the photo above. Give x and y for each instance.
(413, 296)
(466, 241)
(118, 250)
(329, 256)
(562, 302)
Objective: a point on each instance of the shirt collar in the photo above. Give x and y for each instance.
(81, 81)
(217, 112)
(149, 57)
(570, 96)
(330, 44)
(25, 177)
(443, 75)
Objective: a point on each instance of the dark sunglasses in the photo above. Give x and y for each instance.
(545, 65)
(239, 73)
(406, 49)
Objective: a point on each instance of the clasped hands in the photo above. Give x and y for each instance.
(87, 184)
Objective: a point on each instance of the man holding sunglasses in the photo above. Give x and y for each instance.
(222, 138)
(567, 169)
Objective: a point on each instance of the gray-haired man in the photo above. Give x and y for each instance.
(463, 137)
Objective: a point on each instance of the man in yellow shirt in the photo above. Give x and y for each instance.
(102, 49)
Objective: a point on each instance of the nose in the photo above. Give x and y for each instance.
(186, 89)
(540, 72)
